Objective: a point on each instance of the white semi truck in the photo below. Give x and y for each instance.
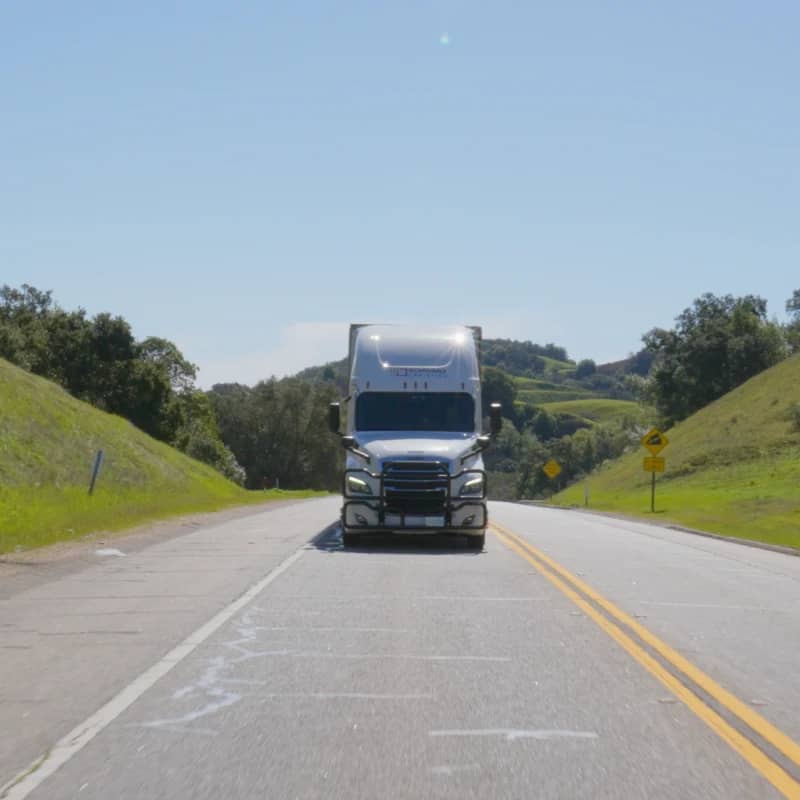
(412, 430)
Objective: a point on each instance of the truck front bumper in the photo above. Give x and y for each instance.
(466, 517)
(415, 497)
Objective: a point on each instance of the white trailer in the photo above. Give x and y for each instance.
(412, 430)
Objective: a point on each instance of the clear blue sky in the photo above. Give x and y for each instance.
(247, 178)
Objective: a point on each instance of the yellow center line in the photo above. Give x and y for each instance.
(773, 772)
(777, 738)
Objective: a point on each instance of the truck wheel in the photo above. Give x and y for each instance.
(476, 542)
(351, 539)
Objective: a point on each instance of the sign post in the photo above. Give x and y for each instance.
(98, 461)
(652, 493)
(655, 442)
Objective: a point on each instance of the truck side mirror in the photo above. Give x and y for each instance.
(333, 417)
(495, 418)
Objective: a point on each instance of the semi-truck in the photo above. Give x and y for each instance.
(412, 428)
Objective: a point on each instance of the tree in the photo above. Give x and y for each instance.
(497, 387)
(180, 372)
(544, 425)
(278, 430)
(198, 435)
(793, 304)
(585, 368)
(793, 328)
(23, 316)
(717, 344)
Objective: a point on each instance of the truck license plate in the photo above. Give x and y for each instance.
(425, 522)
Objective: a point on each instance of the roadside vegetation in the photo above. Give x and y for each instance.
(588, 417)
(732, 468)
(98, 360)
(596, 410)
(48, 440)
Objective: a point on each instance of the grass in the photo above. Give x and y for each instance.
(539, 392)
(596, 409)
(534, 384)
(733, 468)
(558, 366)
(48, 440)
(538, 397)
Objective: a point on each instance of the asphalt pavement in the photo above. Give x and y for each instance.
(577, 656)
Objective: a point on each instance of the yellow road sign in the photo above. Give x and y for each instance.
(654, 464)
(655, 441)
(552, 469)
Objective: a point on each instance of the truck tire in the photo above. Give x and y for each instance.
(476, 542)
(351, 539)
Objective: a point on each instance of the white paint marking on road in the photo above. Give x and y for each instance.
(452, 769)
(41, 769)
(716, 606)
(472, 598)
(357, 598)
(512, 734)
(109, 551)
(194, 730)
(345, 696)
(400, 656)
(337, 628)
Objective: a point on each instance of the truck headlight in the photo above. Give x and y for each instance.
(473, 487)
(357, 486)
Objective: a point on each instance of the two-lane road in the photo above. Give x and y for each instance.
(577, 656)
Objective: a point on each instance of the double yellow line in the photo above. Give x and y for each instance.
(615, 622)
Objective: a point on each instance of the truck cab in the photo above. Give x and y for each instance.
(413, 433)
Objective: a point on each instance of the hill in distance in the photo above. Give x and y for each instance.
(732, 468)
(48, 441)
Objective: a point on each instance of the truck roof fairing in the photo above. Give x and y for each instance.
(407, 357)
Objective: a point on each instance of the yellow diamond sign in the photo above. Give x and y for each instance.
(654, 441)
(552, 469)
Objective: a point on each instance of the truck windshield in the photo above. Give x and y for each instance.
(448, 412)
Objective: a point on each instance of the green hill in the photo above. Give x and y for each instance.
(48, 440)
(732, 468)
(596, 410)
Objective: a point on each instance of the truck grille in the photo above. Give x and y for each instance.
(415, 487)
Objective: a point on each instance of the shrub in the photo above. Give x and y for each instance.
(794, 417)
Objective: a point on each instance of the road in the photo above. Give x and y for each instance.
(577, 656)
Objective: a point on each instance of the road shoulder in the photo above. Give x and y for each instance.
(28, 569)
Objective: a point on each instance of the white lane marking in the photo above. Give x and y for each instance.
(41, 769)
(472, 597)
(452, 769)
(337, 598)
(109, 551)
(400, 656)
(512, 734)
(716, 606)
(344, 696)
(337, 628)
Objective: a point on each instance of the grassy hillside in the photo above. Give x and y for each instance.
(47, 444)
(732, 468)
(596, 409)
(539, 397)
(536, 392)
